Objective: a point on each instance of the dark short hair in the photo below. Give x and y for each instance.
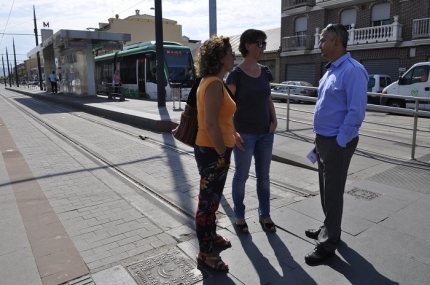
(210, 55)
(334, 30)
(248, 37)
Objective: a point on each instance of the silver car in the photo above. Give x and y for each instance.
(293, 90)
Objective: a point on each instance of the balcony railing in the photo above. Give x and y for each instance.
(368, 35)
(294, 43)
(288, 4)
(330, 4)
(421, 28)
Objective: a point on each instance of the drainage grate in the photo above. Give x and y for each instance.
(168, 268)
(363, 194)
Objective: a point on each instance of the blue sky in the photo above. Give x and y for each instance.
(233, 17)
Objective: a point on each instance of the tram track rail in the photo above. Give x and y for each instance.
(104, 161)
(139, 184)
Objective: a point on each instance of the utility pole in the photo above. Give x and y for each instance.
(11, 79)
(212, 18)
(4, 73)
(38, 56)
(16, 66)
(8, 70)
(161, 96)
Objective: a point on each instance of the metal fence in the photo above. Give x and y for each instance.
(415, 113)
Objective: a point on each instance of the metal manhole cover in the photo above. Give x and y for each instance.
(363, 194)
(167, 268)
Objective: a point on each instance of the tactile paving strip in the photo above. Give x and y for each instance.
(415, 178)
(167, 268)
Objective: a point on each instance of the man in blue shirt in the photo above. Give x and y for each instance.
(53, 80)
(339, 112)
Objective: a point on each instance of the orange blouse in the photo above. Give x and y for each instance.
(225, 118)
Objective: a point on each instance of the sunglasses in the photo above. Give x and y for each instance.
(333, 27)
(260, 44)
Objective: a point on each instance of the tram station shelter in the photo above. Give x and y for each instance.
(70, 54)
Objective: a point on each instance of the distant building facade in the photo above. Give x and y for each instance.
(386, 36)
(141, 27)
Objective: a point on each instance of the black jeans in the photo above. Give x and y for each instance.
(333, 164)
(54, 86)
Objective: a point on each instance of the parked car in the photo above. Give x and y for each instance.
(293, 90)
(377, 82)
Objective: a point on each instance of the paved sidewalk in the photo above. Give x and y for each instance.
(385, 239)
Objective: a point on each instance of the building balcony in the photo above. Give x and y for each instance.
(421, 28)
(384, 36)
(366, 38)
(292, 7)
(330, 4)
(294, 43)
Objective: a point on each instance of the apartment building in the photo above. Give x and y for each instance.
(386, 36)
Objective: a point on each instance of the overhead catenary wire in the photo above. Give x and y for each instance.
(7, 21)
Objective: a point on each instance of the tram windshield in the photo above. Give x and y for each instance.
(180, 66)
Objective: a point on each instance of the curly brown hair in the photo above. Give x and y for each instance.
(210, 55)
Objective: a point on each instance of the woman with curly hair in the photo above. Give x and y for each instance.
(214, 143)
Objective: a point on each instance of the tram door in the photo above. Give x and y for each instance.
(141, 77)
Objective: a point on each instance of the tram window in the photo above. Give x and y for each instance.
(151, 70)
(107, 72)
(179, 64)
(128, 72)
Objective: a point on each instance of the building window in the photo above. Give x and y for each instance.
(381, 14)
(348, 17)
(301, 26)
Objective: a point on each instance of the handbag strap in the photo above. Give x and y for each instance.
(230, 93)
(192, 97)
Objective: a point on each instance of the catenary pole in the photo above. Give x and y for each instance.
(8, 70)
(38, 56)
(161, 96)
(212, 18)
(4, 72)
(16, 66)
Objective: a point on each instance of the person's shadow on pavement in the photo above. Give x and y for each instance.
(357, 269)
(291, 269)
(261, 264)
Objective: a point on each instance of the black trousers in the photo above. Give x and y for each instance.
(333, 164)
(54, 86)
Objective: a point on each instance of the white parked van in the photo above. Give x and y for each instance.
(415, 82)
(376, 83)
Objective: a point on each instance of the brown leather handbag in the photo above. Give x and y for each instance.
(186, 131)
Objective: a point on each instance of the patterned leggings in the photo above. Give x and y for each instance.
(213, 174)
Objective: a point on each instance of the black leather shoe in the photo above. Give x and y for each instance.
(317, 255)
(313, 233)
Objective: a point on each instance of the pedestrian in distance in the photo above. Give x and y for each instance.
(255, 123)
(214, 144)
(53, 80)
(339, 113)
(116, 80)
